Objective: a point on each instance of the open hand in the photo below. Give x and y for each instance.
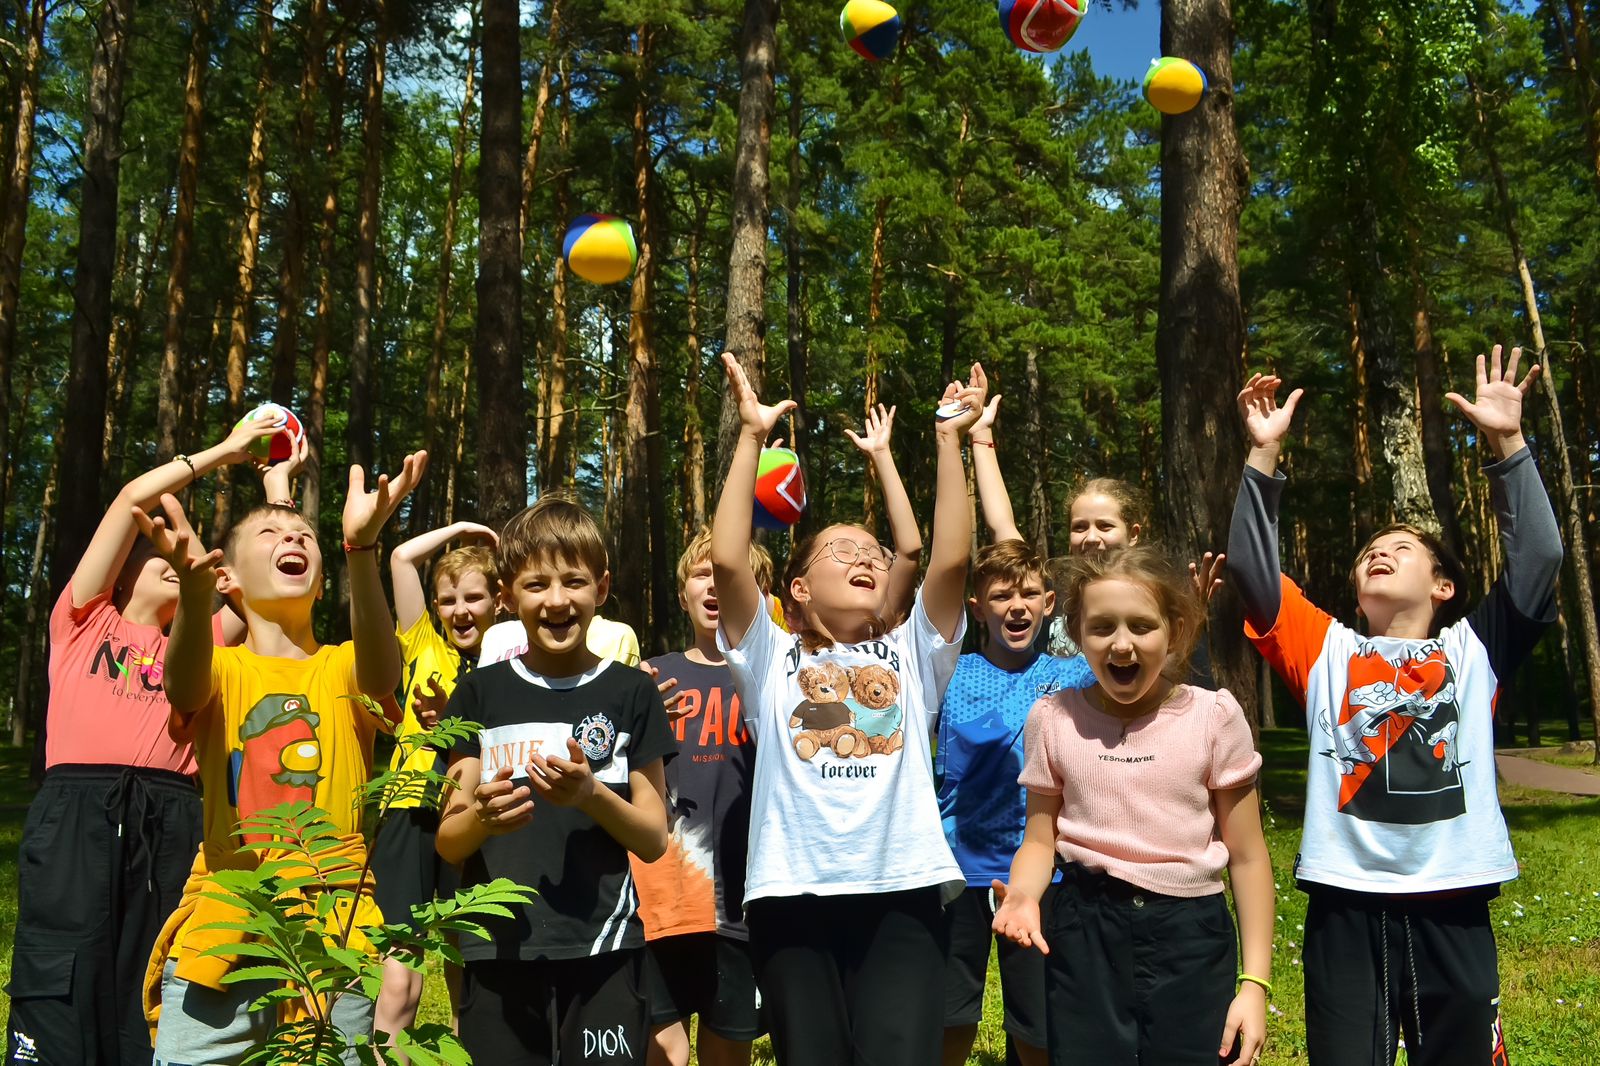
(1207, 575)
(669, 698)
(1017, 918)
(366, 512)
(564, 782)
(501, 806)
(428, 705)
(237, 444)
(175, 541)
(1496, 409)
(755, 416)
(277, 479)
(1265, 423)
(879, 426)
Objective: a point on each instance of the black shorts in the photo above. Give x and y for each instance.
(567, 1011)
(1378, 967)
(406, 870)
(1134, 975)
(706, 974)
(105, 853)
(971, 919)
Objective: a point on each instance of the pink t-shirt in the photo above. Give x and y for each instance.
(106, 700)
(1136, 795)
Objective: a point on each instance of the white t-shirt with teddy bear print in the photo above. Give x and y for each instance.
(843, 801)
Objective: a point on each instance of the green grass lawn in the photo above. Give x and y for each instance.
(1548, 921)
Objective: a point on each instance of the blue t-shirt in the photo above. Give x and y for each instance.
(980, 756)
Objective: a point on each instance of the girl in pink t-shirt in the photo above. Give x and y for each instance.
(1141, 790)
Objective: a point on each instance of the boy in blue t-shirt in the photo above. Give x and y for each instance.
(978, 761)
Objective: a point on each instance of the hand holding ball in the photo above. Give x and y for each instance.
(600, 248)
(1174, 85)
(1041, 25)
(871, 26)
(280, 445)
(780, 490)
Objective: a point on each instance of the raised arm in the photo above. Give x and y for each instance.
(97, 570)
(992, 494)
(902, 519)
(405, 567)
(186, 673)
(1253, 536)
(378, 664)
(944, 587)
(738, 597)
(277, 480)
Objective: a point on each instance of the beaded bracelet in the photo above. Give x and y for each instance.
(194, 475)
(352, 548)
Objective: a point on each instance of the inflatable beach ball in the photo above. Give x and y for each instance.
(1041, 25)
(278, 446)
(600, 248)
(780, 490)
(871, 26)
(1174, 85)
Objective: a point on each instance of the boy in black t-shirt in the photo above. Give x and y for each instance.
(692, 899)
(564, 781)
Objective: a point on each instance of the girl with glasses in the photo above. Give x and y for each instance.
(848, 868)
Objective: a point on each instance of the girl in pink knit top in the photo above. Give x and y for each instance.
(1141, 790)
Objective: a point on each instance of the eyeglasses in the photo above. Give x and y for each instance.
(849, 552)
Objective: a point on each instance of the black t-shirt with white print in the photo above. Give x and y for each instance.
(586, 903)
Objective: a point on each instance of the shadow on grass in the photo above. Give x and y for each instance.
(1283, 771)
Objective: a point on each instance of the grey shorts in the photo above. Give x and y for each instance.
(203, 1027)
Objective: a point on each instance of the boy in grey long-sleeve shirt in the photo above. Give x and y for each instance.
(1404, 843)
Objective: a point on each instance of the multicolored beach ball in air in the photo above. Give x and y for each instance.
(600, 248)
(871, 26)
(1041, 25)
(277, 446)
(1174, 85)
(780, 490)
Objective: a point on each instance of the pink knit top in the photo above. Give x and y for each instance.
(1136, 794)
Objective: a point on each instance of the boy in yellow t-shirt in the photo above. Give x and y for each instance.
(408, 869)
(270, 724)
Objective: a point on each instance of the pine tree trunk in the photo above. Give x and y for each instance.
(751, 209)
(1038, 505)
(1394, 383)
(1200, 331)
(123, 348)
(952, 280)
(239, 323)
(1577, 539)
(1361, 516)
(422, 516)
(458, 452)
(632, 535)
(30, 642)
(322, 336)
(502, 406)
(91, 290)
(694, 440)
(359, 431)
(14, 222)
(557, 429)
(1584, 71)
(173, 376)
(541, 105)
(795, 309)
(869, 502)
(1436, 457)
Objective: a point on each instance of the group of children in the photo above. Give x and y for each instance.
(814, 821)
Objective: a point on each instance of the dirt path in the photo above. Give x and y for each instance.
(1532, 773)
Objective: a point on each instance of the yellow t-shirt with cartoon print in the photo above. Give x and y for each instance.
(432, 664)
(281, 730)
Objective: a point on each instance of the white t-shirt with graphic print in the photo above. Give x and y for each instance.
(843, 801)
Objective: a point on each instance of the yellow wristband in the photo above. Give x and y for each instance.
(1263, 982)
